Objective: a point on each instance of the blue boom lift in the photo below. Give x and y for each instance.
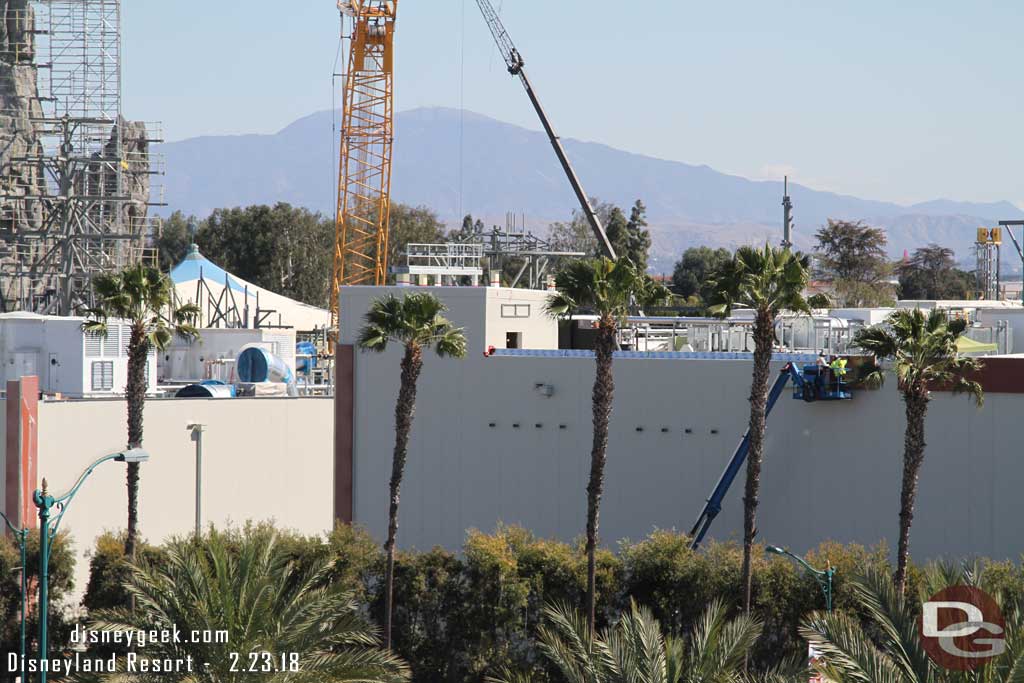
(810, 383)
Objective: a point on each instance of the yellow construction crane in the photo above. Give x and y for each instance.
(367, 135)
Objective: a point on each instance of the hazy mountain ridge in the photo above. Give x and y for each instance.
(509, 168)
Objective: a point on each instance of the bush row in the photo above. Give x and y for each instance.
(461, 616)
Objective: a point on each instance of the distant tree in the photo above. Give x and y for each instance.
(852, 256)
(692, 272)
(931, 273)
(638, 238)
(412, 225)
(577, 235)
(416, 323)
(285, 249)
(766, 281)
(173, 239)
(617, 229)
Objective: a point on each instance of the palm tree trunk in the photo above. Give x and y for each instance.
(405, 408)
(763, 337)
(135, 395)
(916, 404)
(604, 388)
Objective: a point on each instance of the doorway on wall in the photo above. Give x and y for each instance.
(513, 340)
(54, 372)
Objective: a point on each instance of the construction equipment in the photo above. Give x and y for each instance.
(367, 137)
(811, 383)
(515, 62)
(1010, 225)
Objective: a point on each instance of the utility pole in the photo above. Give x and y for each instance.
(787, 215)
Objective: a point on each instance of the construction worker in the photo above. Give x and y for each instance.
(838, 367)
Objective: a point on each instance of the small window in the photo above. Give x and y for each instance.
(102, 375)
(515, 310)
(513, 340)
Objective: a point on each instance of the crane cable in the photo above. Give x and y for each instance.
(462, 113)
(335, 139)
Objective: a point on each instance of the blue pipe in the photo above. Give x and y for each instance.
(714, 504)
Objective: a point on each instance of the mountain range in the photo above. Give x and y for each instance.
(506, 168)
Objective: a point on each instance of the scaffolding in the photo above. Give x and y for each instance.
(517, 249)
(987, 249)
(76, 185)
(446, 262)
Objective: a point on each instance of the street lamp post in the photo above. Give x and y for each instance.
(22, 535)
(823, 577)
(48, 526)
(197, 430)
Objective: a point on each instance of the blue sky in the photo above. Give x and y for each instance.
(903, 101)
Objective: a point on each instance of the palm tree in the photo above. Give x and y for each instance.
(248, 586)
(890, 650)
(767, 281)
(139, 295)
(609, 289)
(415, 322)
(636, 651)
(923, 349)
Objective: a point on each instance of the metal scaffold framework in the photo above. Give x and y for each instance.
(987, 250)
(367, 136)
(514, 245)
(76, 185)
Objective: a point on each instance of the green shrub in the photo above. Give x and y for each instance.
(468, 615)
(108, 570)
(61, 571)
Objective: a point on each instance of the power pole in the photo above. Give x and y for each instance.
(787, 215)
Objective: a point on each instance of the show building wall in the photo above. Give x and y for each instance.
(490, 446)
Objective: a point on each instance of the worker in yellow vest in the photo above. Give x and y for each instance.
(838, 367)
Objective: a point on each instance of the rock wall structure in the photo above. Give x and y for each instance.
(65, 217)
(19, 136)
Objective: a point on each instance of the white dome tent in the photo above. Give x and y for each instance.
(226, 300)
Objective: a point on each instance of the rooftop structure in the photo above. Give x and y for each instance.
(445, 263)
(67, 360)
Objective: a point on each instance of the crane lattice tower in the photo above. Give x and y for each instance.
(367, 136)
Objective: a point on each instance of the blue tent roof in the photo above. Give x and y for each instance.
(195, 264)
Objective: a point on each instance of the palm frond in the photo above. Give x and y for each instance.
(769, 280)
(247, 584)
(416, 319)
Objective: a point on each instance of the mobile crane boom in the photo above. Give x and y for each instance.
(514, 61)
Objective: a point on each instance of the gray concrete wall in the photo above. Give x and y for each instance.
(832, 470)
(267, 458)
